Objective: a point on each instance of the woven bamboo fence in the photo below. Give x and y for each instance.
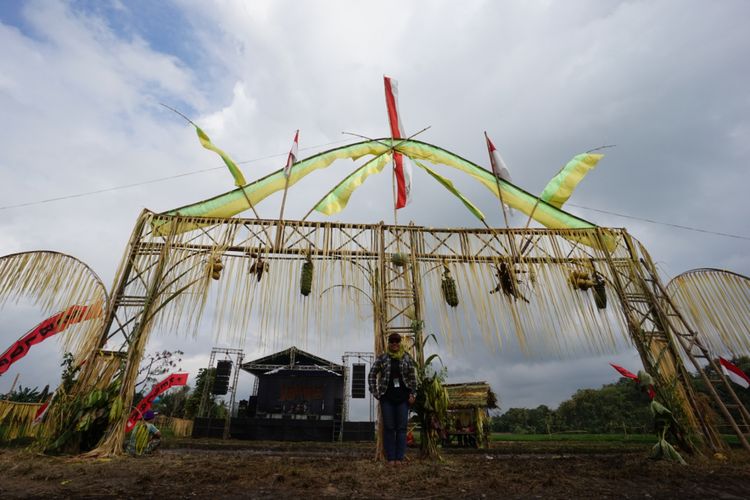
(179, 427)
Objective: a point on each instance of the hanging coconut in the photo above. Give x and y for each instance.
(600, 292)
(581, 280)
(215, 266)
(305, 281)
(449, 289)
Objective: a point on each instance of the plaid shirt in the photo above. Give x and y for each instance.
(380, 374)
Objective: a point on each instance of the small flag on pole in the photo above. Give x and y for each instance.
(499, 168)
(402, 167)
(292, 159)
(734, 373)
(624, 372)
(628, 374)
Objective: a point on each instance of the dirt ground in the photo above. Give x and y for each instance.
(202, 468)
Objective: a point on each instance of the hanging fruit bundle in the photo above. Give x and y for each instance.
(305, 281)
(215, 266)
(448, 284)
(600, 292)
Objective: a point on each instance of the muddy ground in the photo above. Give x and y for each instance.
(211, 469)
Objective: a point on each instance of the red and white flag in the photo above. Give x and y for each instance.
(292, 158)
(734, 373)
(499, 168)
(624, 372)
(402, 167)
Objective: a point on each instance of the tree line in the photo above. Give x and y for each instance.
(618, 408)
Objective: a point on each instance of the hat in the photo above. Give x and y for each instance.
(394, 337)
(149, 415)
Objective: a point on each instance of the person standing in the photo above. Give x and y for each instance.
(393, 381)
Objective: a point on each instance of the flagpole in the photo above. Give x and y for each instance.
(283, 200)
(393, 189)
(393, 176)
(391, 149)
(499, 191)
(288, 173)
(511, 239)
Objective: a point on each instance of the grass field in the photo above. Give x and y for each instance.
(574, 436)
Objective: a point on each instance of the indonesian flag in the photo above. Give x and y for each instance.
(624, 372)
(628, 374)
(734, 373)
(402, 167)
(42, 411)
(292, 158)
(499, 168)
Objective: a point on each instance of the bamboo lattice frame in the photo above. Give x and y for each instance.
(164, 283)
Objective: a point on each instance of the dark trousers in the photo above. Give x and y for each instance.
(395, 417)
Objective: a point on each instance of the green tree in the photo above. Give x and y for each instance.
(614, 408)
(610, 409)
(205, 378)
(24, 395)
(743, 363)
(172, 403)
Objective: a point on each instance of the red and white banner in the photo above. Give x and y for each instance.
(402, 167)
(46, 329)
(499, 168)
(624, 372)
(734, 373)
(628, 374)
(145, 404)
(292, 158)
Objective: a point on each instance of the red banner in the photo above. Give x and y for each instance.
(624, 372)
(145, 403)
(47, 328)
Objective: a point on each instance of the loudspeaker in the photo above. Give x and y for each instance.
(223, 368)
(221, 386)
(221, 380)
(358, 381)
(252, 406)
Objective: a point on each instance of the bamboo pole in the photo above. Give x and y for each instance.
(287, 174)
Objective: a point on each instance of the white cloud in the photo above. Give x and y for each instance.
(547, 80)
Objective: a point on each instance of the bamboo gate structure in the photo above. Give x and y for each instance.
(166, 273)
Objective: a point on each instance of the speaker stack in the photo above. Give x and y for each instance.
(221, 380)
(358, 381)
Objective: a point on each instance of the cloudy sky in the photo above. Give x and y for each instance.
(81, 82)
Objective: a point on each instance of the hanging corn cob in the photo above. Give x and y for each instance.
(305, 282)
(448, 285)
(599, 291)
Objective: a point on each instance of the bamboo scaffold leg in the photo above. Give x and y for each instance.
(658, 351)
(693, 347)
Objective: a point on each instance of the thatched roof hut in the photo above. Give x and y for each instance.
(470, 395)
(469, 404)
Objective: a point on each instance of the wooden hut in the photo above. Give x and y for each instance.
(468, 413)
